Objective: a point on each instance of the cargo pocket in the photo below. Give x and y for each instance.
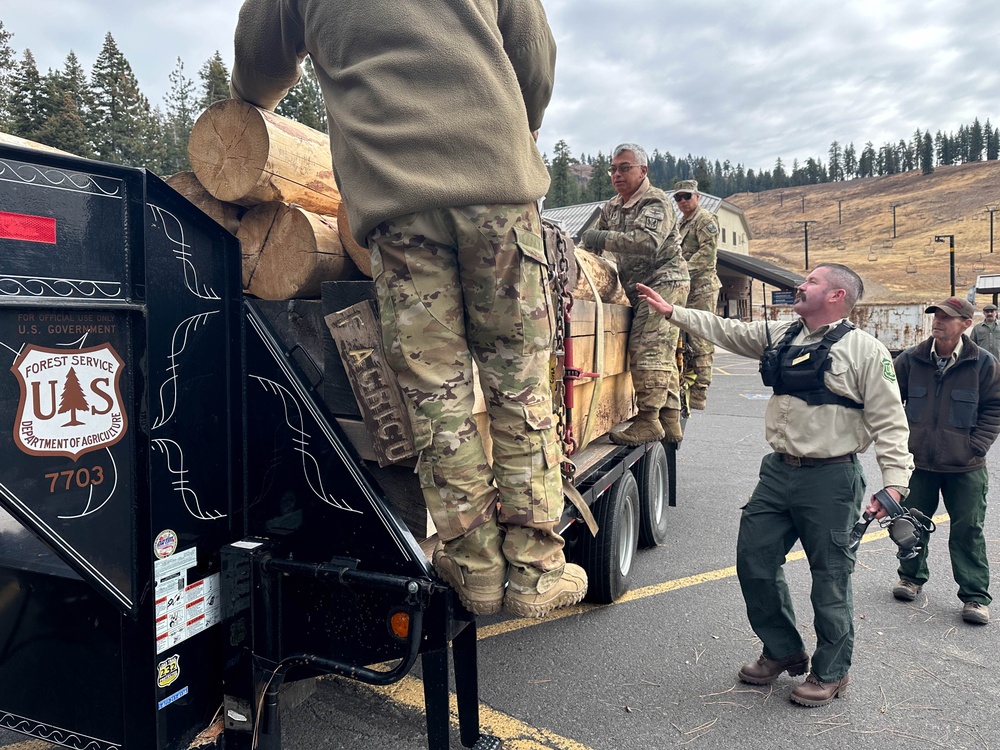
(546, 495)
(536, 306)
(842, 557)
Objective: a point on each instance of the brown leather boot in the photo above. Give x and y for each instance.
(812, 692)
(670, 421)
(529, 597)
(766, 670)
(645, 428)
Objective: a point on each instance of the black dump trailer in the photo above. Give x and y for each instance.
(184, 525)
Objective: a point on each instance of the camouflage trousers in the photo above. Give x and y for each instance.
(703, 296)
(652, 349)
(458, 286)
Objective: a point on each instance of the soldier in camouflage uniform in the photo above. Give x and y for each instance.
(698, 231)
(636, 226)
(441, 178)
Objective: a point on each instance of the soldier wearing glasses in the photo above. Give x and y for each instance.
(636, 226)
(698, 231)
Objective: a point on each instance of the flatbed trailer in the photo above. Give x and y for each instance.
(185, 526)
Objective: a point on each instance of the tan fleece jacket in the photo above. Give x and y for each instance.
(431, 103)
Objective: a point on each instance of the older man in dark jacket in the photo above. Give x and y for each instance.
(951, 389)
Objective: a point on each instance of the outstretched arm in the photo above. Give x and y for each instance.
(655, 301)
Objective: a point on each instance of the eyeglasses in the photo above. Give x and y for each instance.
(682, 197)
(623, 168)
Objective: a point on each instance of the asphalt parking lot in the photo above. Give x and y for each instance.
(657, 669)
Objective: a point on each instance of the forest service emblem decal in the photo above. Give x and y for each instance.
(71, 400)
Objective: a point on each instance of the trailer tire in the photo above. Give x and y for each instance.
(609, 556)
(653, 478)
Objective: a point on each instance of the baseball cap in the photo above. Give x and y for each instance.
(686, 186)
(990, 306)
(955, 307)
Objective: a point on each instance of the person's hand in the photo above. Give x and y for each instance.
(875, 507)
(593, 239)
(654, 300)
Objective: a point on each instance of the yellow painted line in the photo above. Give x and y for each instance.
(516, 735)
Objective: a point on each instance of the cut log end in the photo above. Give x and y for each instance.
(228, 149)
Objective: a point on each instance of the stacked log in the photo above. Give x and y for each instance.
(269, 180)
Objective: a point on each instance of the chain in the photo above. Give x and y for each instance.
(559, 280)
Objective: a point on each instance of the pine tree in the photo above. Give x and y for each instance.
(304, 102)
(7, 62)
(563, 190)
(122, 124)
(976, 141)
(25, 113)
(836, 170)
(214, 81)
(927, 154)
(850, 162)
(778, 176)
(992, 142)
(67, 108)
(178, 121)
(599, 186)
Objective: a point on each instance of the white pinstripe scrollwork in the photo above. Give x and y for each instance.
(50, 177)
(45, 286)
(56, 735)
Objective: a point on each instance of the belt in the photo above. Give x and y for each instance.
(812, 462)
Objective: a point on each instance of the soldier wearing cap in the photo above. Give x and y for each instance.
(636, 226)
(951, 390)
(986, 335)
(698, 234)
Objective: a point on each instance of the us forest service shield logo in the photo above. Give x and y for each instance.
(71, 400)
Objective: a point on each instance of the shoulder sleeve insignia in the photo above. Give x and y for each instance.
(711, 227)
(652, 223)
(887, 371)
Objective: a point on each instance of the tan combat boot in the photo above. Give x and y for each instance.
(645, 428)
(531, 597)
(480, 592)
(670, 421)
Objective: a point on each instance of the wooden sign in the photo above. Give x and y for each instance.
(357, 333)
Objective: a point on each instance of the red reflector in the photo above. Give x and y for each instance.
(28, 228)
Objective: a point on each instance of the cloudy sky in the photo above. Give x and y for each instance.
(726, 79)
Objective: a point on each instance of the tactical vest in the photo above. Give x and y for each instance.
(802, 368)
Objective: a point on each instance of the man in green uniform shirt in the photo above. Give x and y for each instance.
(986, 335)
(835, 394)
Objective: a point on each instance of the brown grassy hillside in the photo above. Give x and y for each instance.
(909, 268)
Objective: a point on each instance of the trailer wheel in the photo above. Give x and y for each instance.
(608, 557)
(653, 479)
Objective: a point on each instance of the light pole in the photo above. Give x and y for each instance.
(840, 215)
(951, 252)
(805, 229)
(992, 210)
